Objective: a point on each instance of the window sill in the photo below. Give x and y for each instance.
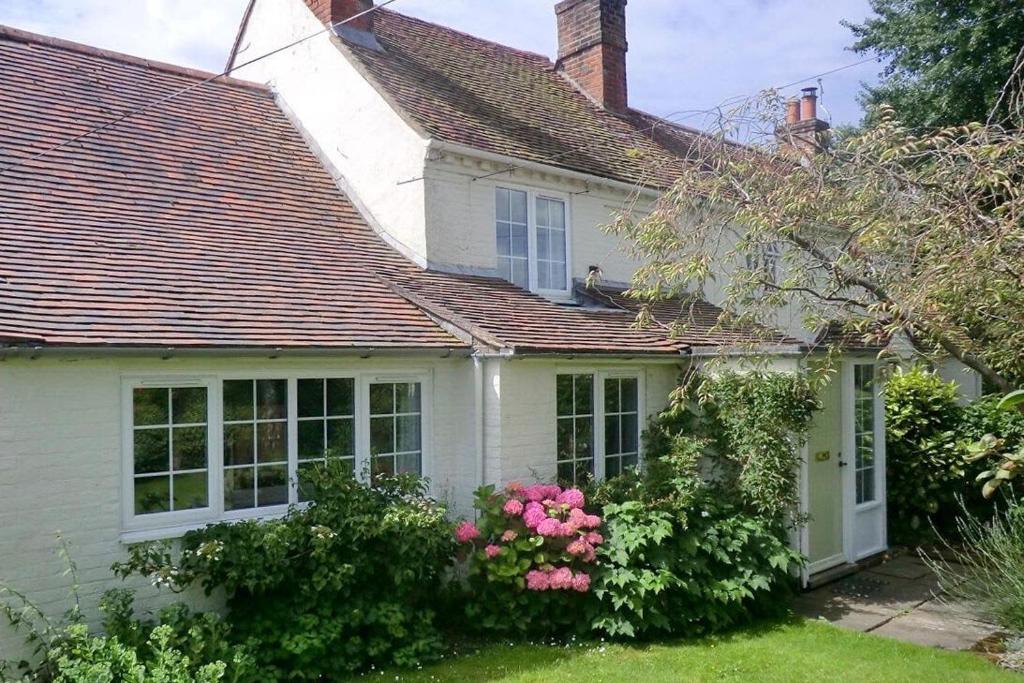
(170, 532)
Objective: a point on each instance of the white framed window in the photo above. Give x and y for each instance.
(532, 239)
(598, 423)
(864, 431)
(767, 261)
(201, 450)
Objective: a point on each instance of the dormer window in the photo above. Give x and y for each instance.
(532, 240)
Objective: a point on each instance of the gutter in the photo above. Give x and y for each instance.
(166, 352)
(478, 406)
(434, 145)
(732, 351)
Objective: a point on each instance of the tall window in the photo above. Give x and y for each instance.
(532, 240)
(550, 244)
(169, 453)
(513, 237)
(255, 443)
(396, 439)
(575, 402)
(326, 425)
(864, 431)
(621, 425)
(767, 261)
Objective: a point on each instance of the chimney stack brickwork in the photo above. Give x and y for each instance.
(803, 133)
(592, 48)
(334, 11)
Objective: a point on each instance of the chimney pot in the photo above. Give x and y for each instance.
(792, 111)
(592, 48)
(809, 104)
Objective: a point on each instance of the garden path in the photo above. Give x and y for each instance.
(897, 598)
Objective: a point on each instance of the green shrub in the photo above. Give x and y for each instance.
(79, 658)
(351, 581)
(926, 468)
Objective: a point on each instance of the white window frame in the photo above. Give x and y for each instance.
(158, 525)
(532, 195)
(600, 374)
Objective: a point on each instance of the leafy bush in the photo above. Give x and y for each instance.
(760, 420)
(530, 558)
(1002, 421)
(351, 581)
(926, 468)
(79, 657)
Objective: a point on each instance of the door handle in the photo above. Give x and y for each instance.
(842, 463)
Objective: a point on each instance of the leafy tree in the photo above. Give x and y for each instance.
(947, 59)
(891, 232)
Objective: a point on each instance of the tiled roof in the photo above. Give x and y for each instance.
(503, 315)
(839, 335)
(204, 222)
(696, 321)
(461, 89)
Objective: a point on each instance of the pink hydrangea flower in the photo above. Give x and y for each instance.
(561, 579)
(571, 497)
(591, 522)
(577, 517)
(534, 493)
(514, 487)
(509, 536)
(549, 503)
(568, 529)
(492, 551)
(552, 491)
(466, 532)
(513, 507)
(581, 582)
(577, 547)
(549, 527)
(534, 515)
(594, 538)
(537, 581)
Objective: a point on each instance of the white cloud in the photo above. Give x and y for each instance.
(684, 55)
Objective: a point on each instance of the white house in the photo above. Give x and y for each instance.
(375, 246)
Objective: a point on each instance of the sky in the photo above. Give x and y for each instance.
(684, 55)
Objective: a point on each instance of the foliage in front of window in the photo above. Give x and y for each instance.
(682, 556)
(350, 582)
(759, 421)
(530, 558)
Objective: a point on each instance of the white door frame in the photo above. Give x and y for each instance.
(852, 512)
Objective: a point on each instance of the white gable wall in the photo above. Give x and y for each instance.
(351, 125)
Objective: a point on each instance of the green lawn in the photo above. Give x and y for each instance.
(791, 651)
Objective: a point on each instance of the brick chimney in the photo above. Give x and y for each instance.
(803, 133)
(335, 11)
(592, 48)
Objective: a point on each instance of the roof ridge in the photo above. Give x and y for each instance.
(22, 36)
(508, 48)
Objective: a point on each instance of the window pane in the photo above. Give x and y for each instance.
(505, 269)
(565, 445)
(382, 435)
(584, 438)
(310, 397)
(407, 398)
(557, 278)
(584, 394)
(341, 439)
(238, 400)
(190, 491)
(542, 244)
(565, 472)
(501, 203)
(407, 433)
(272, 441)
(189, 448)
(152, 494)
(630, 433)
(152, 450)
(611, 395)
(272, 485)
(612, 467)
(311, 439)
(504, 240)
(518, 200)
(271, 399)
(384, 465)
(520, 273)
(239, 493)
(564, 401)
(150, 406)
(630, 397)
(238, 444)
(408, 463)
(520, 241)
(611, 435)
(542, 212)
(556, 212)
(341, 397)
(189, 404)
(382, 399)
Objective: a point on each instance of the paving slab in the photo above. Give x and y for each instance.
(897, 599)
